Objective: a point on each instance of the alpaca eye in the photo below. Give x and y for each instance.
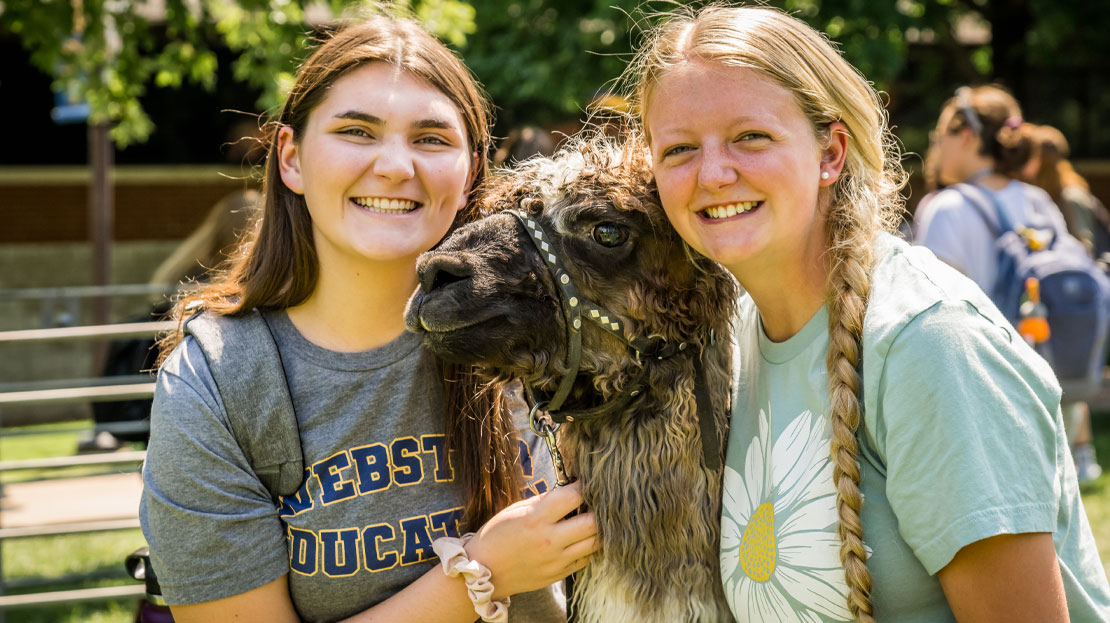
(610, 234)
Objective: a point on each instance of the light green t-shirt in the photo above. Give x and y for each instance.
(964, 441)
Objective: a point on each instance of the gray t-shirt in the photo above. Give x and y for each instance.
(378, 489)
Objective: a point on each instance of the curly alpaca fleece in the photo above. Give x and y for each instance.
(656, 503)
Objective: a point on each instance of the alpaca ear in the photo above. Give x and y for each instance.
(834, 154)
(289, 162)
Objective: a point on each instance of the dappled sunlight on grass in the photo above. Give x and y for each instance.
(31, 563)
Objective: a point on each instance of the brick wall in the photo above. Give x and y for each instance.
(51, 204)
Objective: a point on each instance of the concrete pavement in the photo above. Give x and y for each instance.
(70, 500)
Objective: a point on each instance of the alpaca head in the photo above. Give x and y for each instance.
(487, 297)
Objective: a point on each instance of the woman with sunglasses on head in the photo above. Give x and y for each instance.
(895, 450)
(980, 139)
(371, 162)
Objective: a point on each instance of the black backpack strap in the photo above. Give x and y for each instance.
(867, 450)
(242, 355)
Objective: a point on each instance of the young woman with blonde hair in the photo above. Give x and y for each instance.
(371, 162)
(896, 450)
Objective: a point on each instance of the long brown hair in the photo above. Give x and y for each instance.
(276, 266)
(1055, 172)
(863, 201)
(994, 115)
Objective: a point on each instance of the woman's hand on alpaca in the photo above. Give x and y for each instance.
(531, 544)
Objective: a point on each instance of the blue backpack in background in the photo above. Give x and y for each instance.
(1074, 288)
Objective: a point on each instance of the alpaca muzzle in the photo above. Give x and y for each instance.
(440, 271)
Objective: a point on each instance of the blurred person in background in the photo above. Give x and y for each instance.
(1048, 167)
(521, 144)
(978, 140)
(210, 244)
(1088, 220)
(931, 174)
(982, 140)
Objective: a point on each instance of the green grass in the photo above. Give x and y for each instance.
(38, 560)
(33, 564)
(51, 440)
(1096, 496)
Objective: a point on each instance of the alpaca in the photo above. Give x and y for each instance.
(487, 297)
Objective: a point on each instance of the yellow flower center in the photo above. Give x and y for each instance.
(758, 553)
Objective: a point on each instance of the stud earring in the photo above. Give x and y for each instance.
(824, 175)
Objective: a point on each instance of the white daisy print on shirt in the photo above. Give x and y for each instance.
(780, 557)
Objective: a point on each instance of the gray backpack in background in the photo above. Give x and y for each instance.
(1074, 288)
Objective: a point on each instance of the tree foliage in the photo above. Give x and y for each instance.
(544, 60)
(108, 52)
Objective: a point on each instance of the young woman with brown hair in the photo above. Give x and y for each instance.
(980, 138)
(371, 162)
(895, 449)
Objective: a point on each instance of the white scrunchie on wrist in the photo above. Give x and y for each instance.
(455, 562)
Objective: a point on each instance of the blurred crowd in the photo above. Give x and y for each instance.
(989, 172)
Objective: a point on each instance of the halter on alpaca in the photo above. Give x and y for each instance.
(653, 347)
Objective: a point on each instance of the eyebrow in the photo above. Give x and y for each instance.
(435, 124)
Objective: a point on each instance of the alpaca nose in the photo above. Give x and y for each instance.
(439, 271)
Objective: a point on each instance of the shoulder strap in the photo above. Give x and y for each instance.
(242, 355)
(986, 204)
(867, 451)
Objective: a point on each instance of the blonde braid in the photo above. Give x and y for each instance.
(848, 289)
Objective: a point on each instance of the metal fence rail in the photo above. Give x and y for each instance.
(55, 462)
(94, 332)
(116, 428)
(83, 527)
(36, 393)
(106, 393)
(68, 597)
(84, 292)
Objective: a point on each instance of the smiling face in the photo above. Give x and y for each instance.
(738, 166)
(383, 164)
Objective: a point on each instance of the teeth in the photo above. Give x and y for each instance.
(731, 209)
(387, 206)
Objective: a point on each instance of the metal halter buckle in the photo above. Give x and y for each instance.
(542, 426)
